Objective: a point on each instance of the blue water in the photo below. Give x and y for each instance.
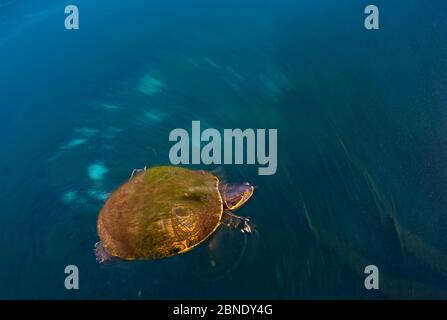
(361, 118)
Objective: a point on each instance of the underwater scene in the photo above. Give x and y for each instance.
(353, 174)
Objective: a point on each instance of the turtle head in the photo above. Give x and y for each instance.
(235, 195)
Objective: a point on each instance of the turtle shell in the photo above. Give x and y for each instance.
(160, 212)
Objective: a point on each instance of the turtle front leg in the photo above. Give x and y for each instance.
(101, 254)
(231, 220)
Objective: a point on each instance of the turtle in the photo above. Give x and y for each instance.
(164, 211)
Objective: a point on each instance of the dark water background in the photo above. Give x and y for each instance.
(361, 118)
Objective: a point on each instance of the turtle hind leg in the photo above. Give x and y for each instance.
(101, 254)
(241, 223)
(136, 171)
